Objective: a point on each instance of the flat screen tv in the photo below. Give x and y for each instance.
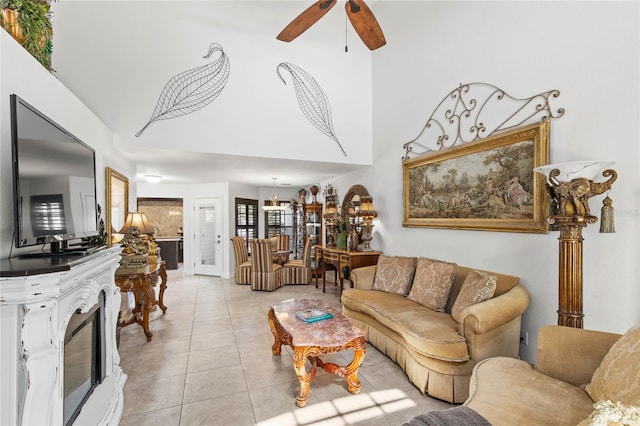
(54, 181)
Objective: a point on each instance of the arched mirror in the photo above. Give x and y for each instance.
(117, 202)
(358, 207)
(352, 200)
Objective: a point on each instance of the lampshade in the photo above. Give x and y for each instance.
(331, 210)
(366, 207)
(140, 221)
(575, 169)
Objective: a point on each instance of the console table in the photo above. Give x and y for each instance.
(141, 285)
(344, 261)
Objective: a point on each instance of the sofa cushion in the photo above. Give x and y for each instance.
(616, 378)
(394, 274)
(477, 287)
(432, 283)
(430, 333)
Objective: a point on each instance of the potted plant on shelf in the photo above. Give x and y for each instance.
(29, 22)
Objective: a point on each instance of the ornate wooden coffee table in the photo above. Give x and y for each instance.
(309, 340)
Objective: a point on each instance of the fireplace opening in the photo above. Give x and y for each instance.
(83, 358)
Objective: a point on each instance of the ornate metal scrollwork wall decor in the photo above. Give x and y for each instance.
(478, 110)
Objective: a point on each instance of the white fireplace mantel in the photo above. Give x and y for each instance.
(34, 312)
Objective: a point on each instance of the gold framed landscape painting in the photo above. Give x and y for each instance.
(486, 185)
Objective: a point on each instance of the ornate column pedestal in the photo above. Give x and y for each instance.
(570, 273)
(572, 213)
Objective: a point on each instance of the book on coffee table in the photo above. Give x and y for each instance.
(313, 315)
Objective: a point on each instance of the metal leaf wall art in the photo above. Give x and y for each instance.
(192, 89)
(478, 110)
(312, 100)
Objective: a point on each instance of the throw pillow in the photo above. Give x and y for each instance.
(432, 283)
(616, 378)
(477, 287)
(394, 274)
(609, 413)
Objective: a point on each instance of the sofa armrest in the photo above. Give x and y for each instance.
(491, 314)
(571, 354)
(362, 278)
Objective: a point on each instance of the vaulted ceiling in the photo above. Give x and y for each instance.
(117, 56)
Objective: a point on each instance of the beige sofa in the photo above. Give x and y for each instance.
(438, 352)
(511, 392)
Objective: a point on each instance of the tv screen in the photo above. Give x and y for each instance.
(54, 180)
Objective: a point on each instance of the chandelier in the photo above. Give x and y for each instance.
(274, 206)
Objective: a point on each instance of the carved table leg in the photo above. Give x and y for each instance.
(279, 335)
(351, 370)
(146, 307)
(299, 364)
(163, 287)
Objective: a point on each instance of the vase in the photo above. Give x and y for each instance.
(341, 241)
(354, 241)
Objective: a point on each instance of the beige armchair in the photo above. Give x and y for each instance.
(507, 391)
(265, 274)
(243, 264)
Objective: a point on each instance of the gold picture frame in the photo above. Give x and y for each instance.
(117, 202)
(486, 185)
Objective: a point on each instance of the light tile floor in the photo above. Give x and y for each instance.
(210, 363)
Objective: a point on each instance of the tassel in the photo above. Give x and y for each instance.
(606, 216)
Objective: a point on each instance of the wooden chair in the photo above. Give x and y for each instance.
(299, 271)
(265, 275)
(243, 264)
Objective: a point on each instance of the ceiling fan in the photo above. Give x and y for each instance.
(359, 14)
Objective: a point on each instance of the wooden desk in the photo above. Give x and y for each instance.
(344, 261)
(141, 285)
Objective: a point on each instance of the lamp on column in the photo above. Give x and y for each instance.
(367, 213)
(571, 185)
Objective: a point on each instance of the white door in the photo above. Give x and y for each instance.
(208, 236)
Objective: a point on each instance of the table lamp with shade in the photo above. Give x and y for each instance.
(367, 213)
(139, 248)
(330, 220)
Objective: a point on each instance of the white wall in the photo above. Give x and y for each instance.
(589, 51)
(22, 75)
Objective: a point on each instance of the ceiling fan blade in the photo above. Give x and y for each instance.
(365, 24)
(306, 19)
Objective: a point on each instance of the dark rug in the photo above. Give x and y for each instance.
(457, 416)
